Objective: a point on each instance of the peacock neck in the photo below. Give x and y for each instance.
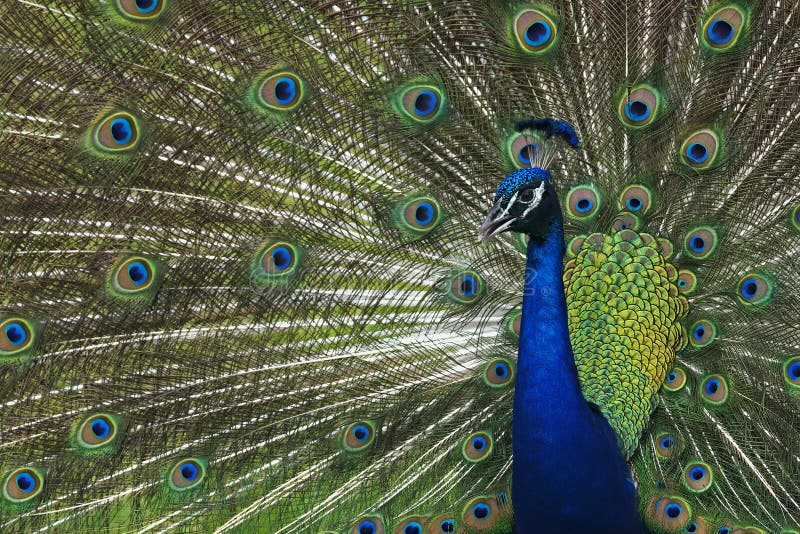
(568, 472)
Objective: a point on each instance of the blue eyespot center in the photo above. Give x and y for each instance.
(667, 442)
(637, 111)
(425, 103)
(367, 527)
(697, 243)
(672, 377)
(146, 6)
(25, 482)
(633, 204)
(481, 511)
(424, 213)
(538, 33)
(584, 205)
(189, 471)
(691, 527)
(749, 288)
(527, 153)
(681, 283)
(673, 510)
(794, 371)
(712, 386)
(137, 272)
(697, 473)
(413, 528)
(468, 286)
(699, 332)
(281, 258)
(723, 530)
(285, 90)
(361, 433)
(697, 153)
(100, 428)
(478, 444)
(720, 31)
(448, 525)
(500, 370)
(16, 334)
(121, 130)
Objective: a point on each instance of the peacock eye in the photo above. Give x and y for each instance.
(667, 445)
(582, 202)
(421, 103)
(755, 289)
(358, 436)
(281, 91)
(140, 9)
(15, 335)
(636, 199)
(418, 215)
(702, 333)
(723, 27)
(97, 434)
(697, 477)
(526, 195)
(465, 287)
(186, 474)
(448, 525)
(477, 447)
(640, 106)
(498, 373)
(410, 526)
(23, 485)
(370, 525)
(687, 282)
(700, 149)
(791, 372)
(701, 242)
(714, 389)
(117, 132)
(535, 31)
(675, 380)
(276, 262)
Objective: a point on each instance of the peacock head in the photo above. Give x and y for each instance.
(525, 202)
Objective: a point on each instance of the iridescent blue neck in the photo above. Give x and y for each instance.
(568, 471)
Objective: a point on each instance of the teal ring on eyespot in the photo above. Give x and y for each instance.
(538, 33)
(425, 103)
(413, 528)
(699, 332)
(667, 442)
(697, 473)
(478, 443)
(696, 153)
(749, 288)
(121, 130)
(794, 372)
(697, 244)
(285, 90)
(481, 511)
(146, 6)
(282, 258)
(720, 31)
(367, 527)
(524, 154)
(712, 386)
(637, 111)
(500, 369)
(673, 510)
(584, 205)
(189, 471)
(25, 482)
(100, 428)
(468, 286)
(16, 334)
(691, 527)
(361, 433)
(137, 272)
(423, 215)
(448, 525)
(633, 204)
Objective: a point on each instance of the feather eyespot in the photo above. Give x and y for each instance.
(418, 215)
(443, 524)
(636, 199)
(97, 433)
(513, 324)
(280, 91)
(702, 333)
(714, 389)
(524, 149)
(358, 436)
(668, 445)
(701, 242)
(17, 337)
(791, 372)
(135, 278)
(675, 380)
(583, 202)
(465, 287)
(640, 106)
(481, 513)
(534, 30)
(669, 513)
(277, 261)
(422, 103)
(687, 282)
(371, 524)
(411, 525)
(116, 133)
(698, 477)
(700, 149)
(755, 289)
(795, 217)
(498, 373)
(186, 474)
(626, 221)
(722, 28)
(140, 10)
(23, 485)
(477, 447)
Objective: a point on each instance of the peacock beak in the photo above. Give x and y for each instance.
(497, 221)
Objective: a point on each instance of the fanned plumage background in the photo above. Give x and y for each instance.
(258, 376)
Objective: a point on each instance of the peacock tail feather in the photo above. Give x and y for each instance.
(241, 285)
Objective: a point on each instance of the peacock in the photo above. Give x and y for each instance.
(400, 266)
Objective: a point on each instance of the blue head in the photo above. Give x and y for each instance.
(526, 201)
